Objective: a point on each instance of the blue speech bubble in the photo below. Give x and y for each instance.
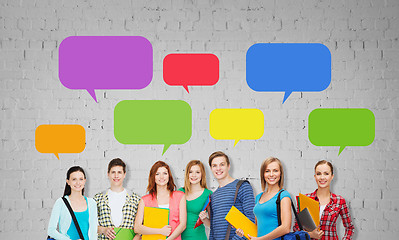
(288, 67)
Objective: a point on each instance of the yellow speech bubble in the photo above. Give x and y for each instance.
(236, 124)
(60, 139)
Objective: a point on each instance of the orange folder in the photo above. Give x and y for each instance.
(312, 205)
(155, 218)
(239, 220)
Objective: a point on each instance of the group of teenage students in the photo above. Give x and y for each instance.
(116, 207)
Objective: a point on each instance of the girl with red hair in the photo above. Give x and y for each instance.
(162, 193)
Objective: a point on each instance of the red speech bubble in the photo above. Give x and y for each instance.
(191, 69)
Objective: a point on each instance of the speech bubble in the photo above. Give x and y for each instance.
(164, 122)
(105, 62)
(341, 127)
(61, 138)
(288, 67)
(236, 124)
(194, 69)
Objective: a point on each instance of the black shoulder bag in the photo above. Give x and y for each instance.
(300, 235)
(240, 182)
(73, 218)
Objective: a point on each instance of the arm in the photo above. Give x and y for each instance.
(316, 233)
(182, 219)
(246, 196)
(54, 221)
(137, 237)
(205, 218)
(346, 221)
(107, 231)
(93, 219)
(285, 226)
(141, 229)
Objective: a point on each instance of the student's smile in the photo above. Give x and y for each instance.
(195, 174)
(220, 168)
(116, 175)
(162, 176)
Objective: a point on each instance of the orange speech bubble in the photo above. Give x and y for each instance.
(60, 139)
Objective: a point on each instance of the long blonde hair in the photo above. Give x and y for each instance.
(187, 187)
(263, 169)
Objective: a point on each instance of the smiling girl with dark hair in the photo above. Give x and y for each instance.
(61, 225)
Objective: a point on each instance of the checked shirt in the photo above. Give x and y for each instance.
(129, 211)
(328, 221)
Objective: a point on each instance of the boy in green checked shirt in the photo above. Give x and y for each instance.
(116, 206)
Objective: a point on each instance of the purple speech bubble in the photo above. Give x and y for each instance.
(105, 62)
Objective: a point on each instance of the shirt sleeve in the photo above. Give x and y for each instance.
(346, 220)
(93, 219)
(97, 200)
(246, 196)
(54, 221)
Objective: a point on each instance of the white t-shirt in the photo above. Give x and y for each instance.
(116, 202)
(164, 206)
(322, 207)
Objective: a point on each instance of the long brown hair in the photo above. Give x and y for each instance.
(263, 169)
(152, 186)
(187, 185)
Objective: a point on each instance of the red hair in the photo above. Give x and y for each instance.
(152, 186)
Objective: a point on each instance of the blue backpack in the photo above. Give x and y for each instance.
(299, 235)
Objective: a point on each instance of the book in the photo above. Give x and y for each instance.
(155, 218)
(238, 220)
(199, 221)
(306, 220)
(312, 205)
(124, 234)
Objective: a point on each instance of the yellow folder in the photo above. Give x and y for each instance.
(239, 220)
(312, 205)
(155, 218)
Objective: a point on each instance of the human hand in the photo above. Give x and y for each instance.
(108, 232)
(240, 232)
(166, 230)
(203, 215)
(316, 233)
(253, 238)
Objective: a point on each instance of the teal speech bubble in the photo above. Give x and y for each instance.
(341, 127)
(164, 122)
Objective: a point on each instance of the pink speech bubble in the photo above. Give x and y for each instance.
(196, 69)
(110, 62)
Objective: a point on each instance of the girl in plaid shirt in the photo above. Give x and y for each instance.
(331, 206)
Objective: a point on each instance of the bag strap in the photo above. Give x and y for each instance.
(240, 182)
(279, 211)
(73, 217)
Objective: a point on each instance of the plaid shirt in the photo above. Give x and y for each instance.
(129, 211)
(328, 221)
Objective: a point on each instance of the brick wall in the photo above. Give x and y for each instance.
(362, 36)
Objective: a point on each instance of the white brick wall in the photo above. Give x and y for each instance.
(362, 36)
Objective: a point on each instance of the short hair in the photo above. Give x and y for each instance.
(187, 184)
(116, 162)
(324, 162)
(263, 169)
(152, 186)
(218, 154)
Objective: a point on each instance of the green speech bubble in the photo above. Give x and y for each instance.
(341, 127)
(164, 122)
